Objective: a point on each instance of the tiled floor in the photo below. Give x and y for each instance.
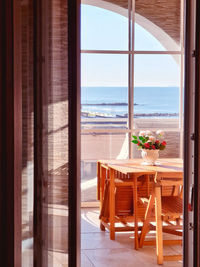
(99, 251)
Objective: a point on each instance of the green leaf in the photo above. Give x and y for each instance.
(135, 137)
(135, 141)
(143, 139)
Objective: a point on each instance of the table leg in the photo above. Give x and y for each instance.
(112, 205)
(159, 237)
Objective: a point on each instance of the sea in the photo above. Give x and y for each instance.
(113, 102)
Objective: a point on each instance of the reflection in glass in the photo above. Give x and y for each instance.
(51, 181)
(27, 132)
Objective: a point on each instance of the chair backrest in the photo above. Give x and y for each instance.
(145, 186)
(171, 183)
(124, 201)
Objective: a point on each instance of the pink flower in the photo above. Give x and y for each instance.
(151, 138)
(148, 133)
(142, 133)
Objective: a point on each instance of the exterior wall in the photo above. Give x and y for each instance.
(164, 13)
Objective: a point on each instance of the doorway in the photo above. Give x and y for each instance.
(42, 210)
(132, 71)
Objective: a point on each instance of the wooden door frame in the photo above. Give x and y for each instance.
(192, 132)
(10, 134)
(188, 126)
(74, 131)
(196, 228)
(39, 259)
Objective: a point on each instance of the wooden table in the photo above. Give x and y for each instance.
(131, 168)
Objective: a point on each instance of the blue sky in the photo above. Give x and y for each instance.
(105, 30)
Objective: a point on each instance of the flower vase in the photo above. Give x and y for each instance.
(149, 156)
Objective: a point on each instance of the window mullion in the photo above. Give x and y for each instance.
(131, 75)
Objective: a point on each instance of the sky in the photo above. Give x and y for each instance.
(106, 30)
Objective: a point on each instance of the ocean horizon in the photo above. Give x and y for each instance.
(113, 101)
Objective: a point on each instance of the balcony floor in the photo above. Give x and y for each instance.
(98, 250)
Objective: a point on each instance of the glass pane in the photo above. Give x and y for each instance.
(104, 26)
(96, 146)
(104, 91)
(156, 91)
(157, 25)
(55, 138)
(51, 220)
(27, 133)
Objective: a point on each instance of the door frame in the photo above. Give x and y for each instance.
(188, 129)
(196, 227)
(10, 134)
(74, 132)
(10, 144)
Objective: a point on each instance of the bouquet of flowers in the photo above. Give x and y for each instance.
(146, 140)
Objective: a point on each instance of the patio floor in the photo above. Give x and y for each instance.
(98, 250)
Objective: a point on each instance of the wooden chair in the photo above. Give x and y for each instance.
(117, 205)
(164, 205)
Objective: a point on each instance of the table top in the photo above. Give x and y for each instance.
(130, 166)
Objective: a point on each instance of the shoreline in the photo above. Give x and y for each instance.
(136, 115)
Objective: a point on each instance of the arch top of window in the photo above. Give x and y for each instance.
(110, 26)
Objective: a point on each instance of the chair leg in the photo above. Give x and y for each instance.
(102, 227)
(145, 228)
(102, 182)
(159, 237)
(112, 206)
(135, 203)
